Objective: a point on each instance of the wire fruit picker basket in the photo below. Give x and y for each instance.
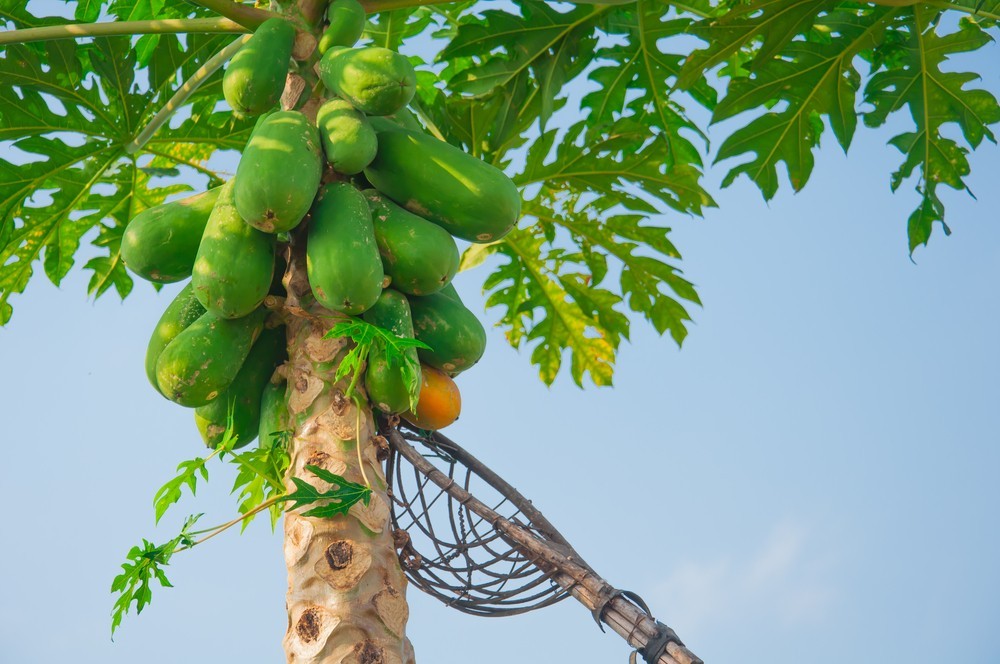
(470, 539)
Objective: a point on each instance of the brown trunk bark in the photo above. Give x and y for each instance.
(346, 592)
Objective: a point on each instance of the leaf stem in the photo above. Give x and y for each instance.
(357, 420)
(430, 124)
(375, 6)
(212, 532)
(355, 377)
(119, 28)
(247, 16)
(357, 438)
(184, 93)
(216, 175)
(945, 4)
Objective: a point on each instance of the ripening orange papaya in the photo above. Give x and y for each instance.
(440, 402)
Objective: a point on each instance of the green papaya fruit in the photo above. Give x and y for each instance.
(401, 119)
(201, 362)
(347, 22)
(342, 259)
(279, 172)
(421, 257)
(277, 281)
(456, 337)
(160, 243)
(388, 386)
(255, 77)
(243, 398)
(235, 263)
(273, 412)
(180, 313)
(375, 80)
(349, 141)
(449, 291)
(464, 195)
(405, 118)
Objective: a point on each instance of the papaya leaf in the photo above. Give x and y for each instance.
(488, 126)
(636, 78)
(812, 79)
(546, 303)
(912, 76)
(765, 25)
(622, 165)
(67, 111)
(341, 497)
(261, 476)
(798, 62)
(187, 475)
(986, 11)
(390, 29)
(368, 339)
(627, 240)
(143, 564)
(554, 47)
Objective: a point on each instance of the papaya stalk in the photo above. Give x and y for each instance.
(346, 591)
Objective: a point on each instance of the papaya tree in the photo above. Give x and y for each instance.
(548, 139)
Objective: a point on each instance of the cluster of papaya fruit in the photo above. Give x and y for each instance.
(378, 204)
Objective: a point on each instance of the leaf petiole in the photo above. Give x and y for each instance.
(184, 92)
(119, 29)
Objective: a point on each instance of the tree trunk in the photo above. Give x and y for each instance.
(346, 591)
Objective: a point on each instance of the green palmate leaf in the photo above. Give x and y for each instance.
(765, 25)
(390, 29)
(88, 10)
(636, 79)
(615, 165)
(547, 303)
(67, 111)
(261, 476)
(985, 10)
(798, 62)
(912, 74)
(187, 476)
(552, 47)
(591, 186)
(642, 278)
(370, 339)
(143, 564)
(339, 499)
(552, 288)
(600, 185)
(488, 126)
(813, 78)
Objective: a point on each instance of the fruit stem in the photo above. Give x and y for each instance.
(119, 28)
(184, 93)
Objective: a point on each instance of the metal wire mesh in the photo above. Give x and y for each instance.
(454, 554)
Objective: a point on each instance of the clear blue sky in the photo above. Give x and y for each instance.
(813, 477)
